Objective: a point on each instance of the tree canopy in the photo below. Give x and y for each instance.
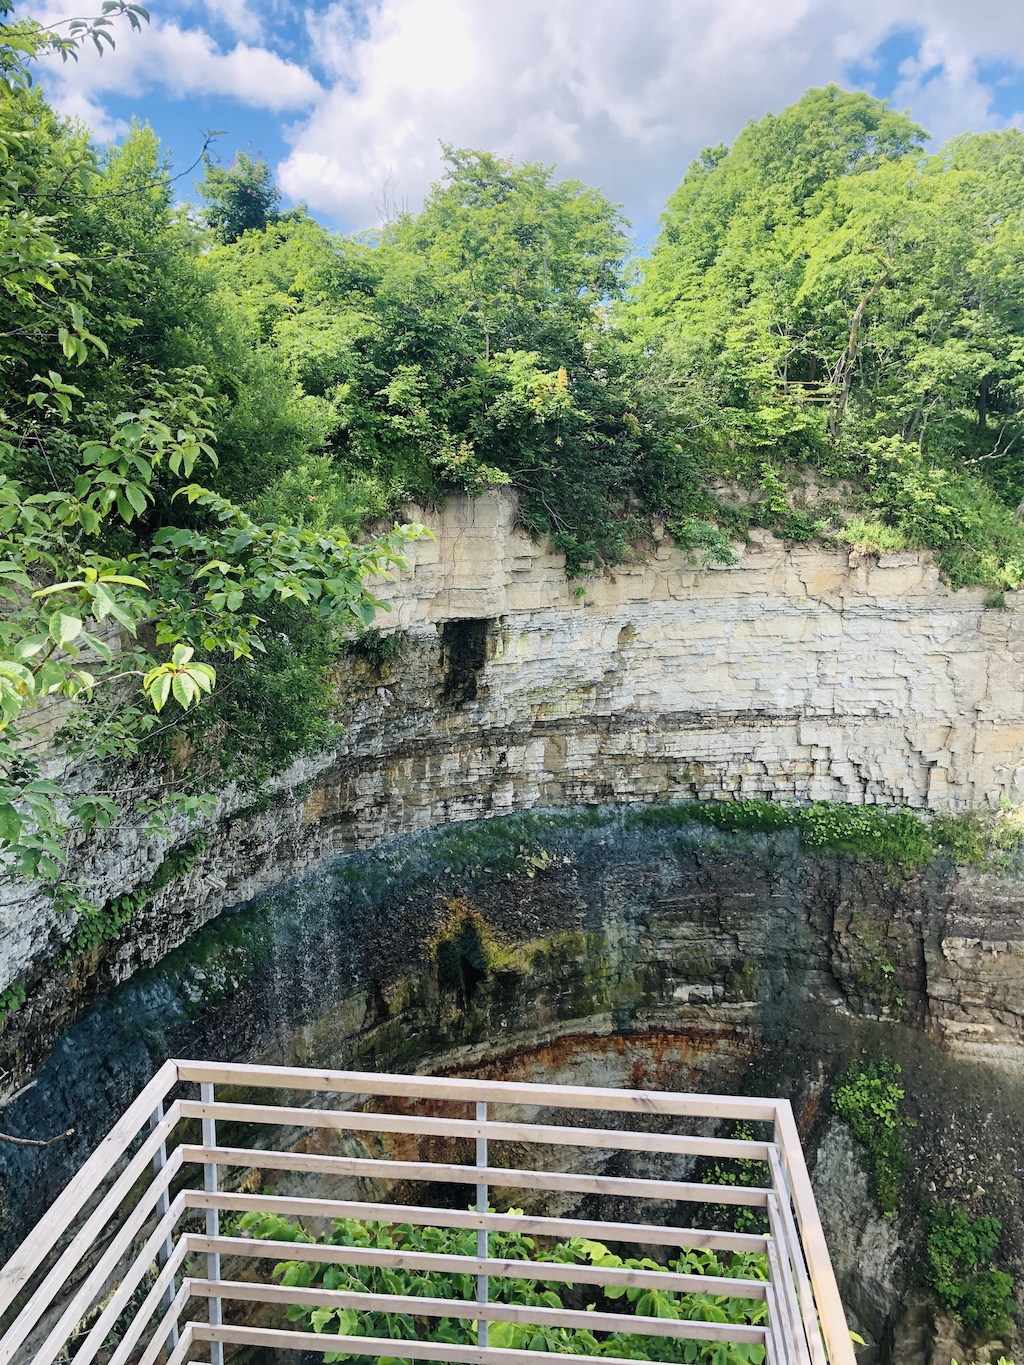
(242, 198)
(825, 296)
(206, 411)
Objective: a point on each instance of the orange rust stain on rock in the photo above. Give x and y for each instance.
(807, 1116)
(314, 806)
(647, 1060)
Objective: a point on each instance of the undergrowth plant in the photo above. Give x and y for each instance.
(742, 1172)
(528, 1292)
(958, 1265)
(901, 839)
(868, 1097)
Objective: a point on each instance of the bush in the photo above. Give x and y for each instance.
(868, 1097)
(870, 537)
(541, 1293)
(958, 1255)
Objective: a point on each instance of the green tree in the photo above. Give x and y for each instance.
(467, 345)
(100, 530)
(241, 199)
(824, 295)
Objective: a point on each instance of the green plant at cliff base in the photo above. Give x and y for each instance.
(11, 1000)
(868, 1097)
(958, 1266)
(535, 1293)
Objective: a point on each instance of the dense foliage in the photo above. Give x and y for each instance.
(958, 1265)
(537, 1293)
(827, 301)
(125, 585)
(462, 347)
(869, 1097)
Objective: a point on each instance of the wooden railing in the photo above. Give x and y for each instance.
(111, 1266)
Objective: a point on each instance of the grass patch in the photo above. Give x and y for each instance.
(901, 839)
(897, 838)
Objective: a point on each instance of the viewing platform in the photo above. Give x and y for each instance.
(112, 1271)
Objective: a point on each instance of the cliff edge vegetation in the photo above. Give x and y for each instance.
(210, 410)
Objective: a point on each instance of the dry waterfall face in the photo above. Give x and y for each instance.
(305, 928)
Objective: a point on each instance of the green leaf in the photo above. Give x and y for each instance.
(184, 689)
(159, 690)
(64, 628)
(136, 495)
(10, 822)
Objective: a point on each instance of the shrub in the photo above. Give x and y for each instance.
(546, 1294)
(868, 1097)
(958, 1254)
(870, 537)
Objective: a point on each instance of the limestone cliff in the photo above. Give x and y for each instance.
(800, 673)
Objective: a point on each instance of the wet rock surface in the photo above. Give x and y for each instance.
(593, 946)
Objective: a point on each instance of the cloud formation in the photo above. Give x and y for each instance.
(618, 95)
(179, 62)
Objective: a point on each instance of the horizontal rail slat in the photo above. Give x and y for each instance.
(119, 1299)
(180, 1352)
(496, 1092)
(150, 1303)
(82, 1184)
(529, 1224)
(498, 1176)
(557, 1135)
(472, 1310)
(387, 1346)
(163, 1327)
(425, 1261)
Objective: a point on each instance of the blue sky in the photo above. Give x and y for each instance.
(349, 99)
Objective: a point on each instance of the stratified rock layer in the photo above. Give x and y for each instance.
(801, 673)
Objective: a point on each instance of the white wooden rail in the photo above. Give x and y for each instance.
(114, 1264)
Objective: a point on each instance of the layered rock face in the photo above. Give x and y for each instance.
(800, 673)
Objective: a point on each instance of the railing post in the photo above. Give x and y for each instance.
(163, 1203)
(482, 1238)
(206, 1095)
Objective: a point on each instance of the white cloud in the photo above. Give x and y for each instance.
(620, 95)
(237, 16)
(179, 62)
